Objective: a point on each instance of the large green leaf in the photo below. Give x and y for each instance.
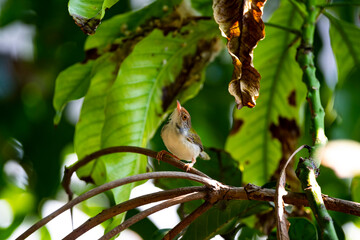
(222, 217)
(345, 45)
(281, 94)
(122, 25)
(71, 84)
(88, 13)
(134, 105)
(88, 129)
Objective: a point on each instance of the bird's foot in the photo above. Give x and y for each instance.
(189, 166)
(161, 154)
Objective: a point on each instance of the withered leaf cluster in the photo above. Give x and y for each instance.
(241, 23)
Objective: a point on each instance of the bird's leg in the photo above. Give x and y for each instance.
(189, 165)
(161, 154)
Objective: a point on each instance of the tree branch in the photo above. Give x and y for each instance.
(147, 152)
(131, 204)
(147, 212)
(186, 221)
(107, 186)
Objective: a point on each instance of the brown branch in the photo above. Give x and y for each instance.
(186, 221)
(147, 152)
(253, 192)
(107, 186)
(131, 204)
(147, 212)
(250, 192)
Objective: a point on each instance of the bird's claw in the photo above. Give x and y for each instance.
(161, 154)
(189, 166)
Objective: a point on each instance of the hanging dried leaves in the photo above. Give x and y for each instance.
(240, 22)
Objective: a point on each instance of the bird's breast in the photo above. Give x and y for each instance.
(178, 145)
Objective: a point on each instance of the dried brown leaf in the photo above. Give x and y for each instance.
(241, 23)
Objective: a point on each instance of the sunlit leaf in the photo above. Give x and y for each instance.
(88, 13)
(150, 78)
(122, 25)
(344, 39)
(71, 84)
(282, 92)
(88, 129)
(215, 221)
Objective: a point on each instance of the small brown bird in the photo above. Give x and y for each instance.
(181, 139)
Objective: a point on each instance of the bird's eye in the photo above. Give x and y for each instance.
(184, 117)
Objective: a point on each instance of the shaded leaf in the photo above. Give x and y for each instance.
(113, 30)
(282, 93)
(71, 84)
(88, 13)
(344, 39)
(217, 219)
(241, 23)
(145, 228)
(248, 233)
(302, 229)
(134, 107)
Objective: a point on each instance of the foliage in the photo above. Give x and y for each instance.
(133, 68)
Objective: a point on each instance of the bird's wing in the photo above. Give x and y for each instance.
(194, 138)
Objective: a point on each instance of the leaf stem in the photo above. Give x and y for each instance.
(306, 168)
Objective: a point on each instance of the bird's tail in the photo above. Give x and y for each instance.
(204, 155)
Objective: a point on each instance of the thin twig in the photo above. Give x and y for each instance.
(281, 220)
(186, 221)
(147, 152)
(287, 29)
(147, 212)
(131, 204)
(107, 186)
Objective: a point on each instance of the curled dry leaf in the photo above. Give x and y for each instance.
(241, 23)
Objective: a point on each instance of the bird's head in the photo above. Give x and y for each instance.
(181, 117)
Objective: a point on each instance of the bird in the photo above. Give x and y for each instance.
(181, 139)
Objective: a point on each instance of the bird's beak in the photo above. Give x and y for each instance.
(178, 106)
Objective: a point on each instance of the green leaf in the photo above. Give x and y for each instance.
(71, 84)
(302, 229)
(217, 219)
(344, 39)
(134, 107)
(281, 94)
(88, 129)
(121, 25)
(88, 13)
